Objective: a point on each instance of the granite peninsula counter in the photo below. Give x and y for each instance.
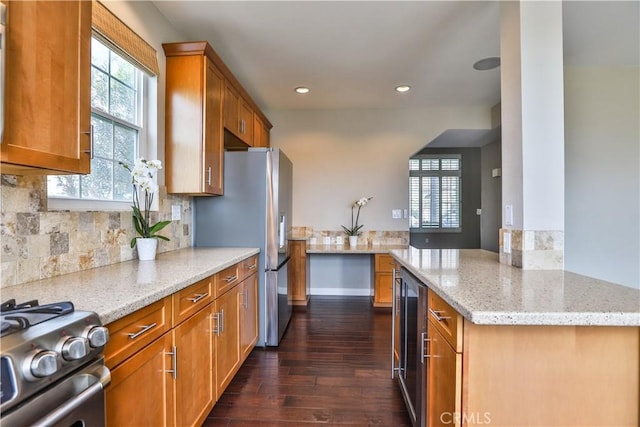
(115, 290)
(486, 292)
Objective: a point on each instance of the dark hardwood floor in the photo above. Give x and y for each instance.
(332, 368)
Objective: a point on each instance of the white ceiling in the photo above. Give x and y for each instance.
(353, 53)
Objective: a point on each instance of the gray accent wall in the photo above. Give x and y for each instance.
(491, 193)
(469, 237)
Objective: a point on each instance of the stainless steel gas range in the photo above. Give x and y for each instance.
(52, 370)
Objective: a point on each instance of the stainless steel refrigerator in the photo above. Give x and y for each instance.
(255, 211)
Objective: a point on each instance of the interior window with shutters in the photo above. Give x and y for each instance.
(116, 122)
(435, 192)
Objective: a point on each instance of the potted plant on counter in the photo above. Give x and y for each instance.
(354, 231)
(142, 178)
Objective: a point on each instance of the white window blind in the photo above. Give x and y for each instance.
(435, 192)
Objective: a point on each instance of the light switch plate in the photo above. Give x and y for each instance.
(508, 214)
(396, 213)
(176, 213)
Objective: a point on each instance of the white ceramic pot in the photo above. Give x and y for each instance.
(353, 241)
(146, 248)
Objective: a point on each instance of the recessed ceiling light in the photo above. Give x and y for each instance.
(487, 63)
(302, 90)
(403, 88)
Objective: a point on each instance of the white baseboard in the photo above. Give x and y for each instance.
(353, 292)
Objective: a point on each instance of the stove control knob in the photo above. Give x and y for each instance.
(74, 348)
(97, 336)
(44, 364)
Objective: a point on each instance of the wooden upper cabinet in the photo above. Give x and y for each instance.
(238, 115)
(194, 150)
(48, 87)
(260, 133)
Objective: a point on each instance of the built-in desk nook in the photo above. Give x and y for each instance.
(366, 270)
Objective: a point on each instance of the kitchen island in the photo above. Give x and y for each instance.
(506, 347)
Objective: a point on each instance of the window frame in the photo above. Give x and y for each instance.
(147, 83)
(440, 173)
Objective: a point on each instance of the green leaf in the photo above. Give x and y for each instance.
(158, 226)
(160, 236)
(133, 242)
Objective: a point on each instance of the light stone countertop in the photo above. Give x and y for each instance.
(486, 292)
(347, 250)
(115, 290)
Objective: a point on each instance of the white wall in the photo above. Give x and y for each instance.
(148, 23)
(341, 155)
(602, 202)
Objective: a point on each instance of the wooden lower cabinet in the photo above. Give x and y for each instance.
(248, 315)
(506, 375)
(443, 379)
(298, 273)
(194, 388)
(382, 280)
(141, 389)
(163, 376)
(226, 317)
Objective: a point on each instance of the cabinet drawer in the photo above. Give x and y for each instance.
(384, 263)
(446, 319)
(133, 332)
(226, 279)
(248, 267)
(191, 299)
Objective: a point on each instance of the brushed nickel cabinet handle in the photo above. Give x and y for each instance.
(230, 279)
(145, 328)
(91, 146)
(174, 362)
(438, 316)
(198, 297)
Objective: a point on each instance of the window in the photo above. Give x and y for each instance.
(116, 121)
(435, 193)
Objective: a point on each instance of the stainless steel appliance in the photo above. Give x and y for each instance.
(52, 371)
(412, 368)
(255, 211)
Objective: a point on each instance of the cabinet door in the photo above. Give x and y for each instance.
(444, 381)
(194, 395)
(213, 138)
(194, 140)
(141, 389)
(297, 272)
(231, 103)
(227, 338)
(248, 315)
(48, 87)
(382, 291)
(245, 115)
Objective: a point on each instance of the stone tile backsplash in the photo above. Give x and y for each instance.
(37, 243)
(368, 238)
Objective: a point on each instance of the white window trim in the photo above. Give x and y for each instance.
(439, 173)
(147, 148)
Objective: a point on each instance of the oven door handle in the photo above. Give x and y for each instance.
(104, 377)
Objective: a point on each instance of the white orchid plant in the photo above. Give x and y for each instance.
(354, 230)
(142, 179)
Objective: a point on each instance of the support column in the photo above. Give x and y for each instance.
(532, 234)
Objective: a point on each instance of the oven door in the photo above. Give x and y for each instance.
(77, 400)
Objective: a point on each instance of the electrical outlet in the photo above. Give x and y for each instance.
(327, 240)
(478, 211)
(339, 240)
(396, 213)
(176, 213)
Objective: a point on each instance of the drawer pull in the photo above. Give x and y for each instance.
(230, 279)
(424, 346)
(144, 329)
(174, 362)
(437, 315)
(253, 266)
(198, 297)
(216, 318)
